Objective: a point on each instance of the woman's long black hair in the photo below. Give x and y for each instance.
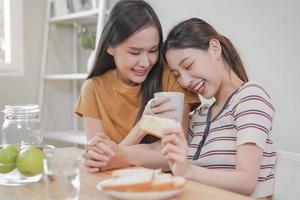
(196, 33)
(126, 18)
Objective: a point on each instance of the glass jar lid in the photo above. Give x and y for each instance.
(28, 111)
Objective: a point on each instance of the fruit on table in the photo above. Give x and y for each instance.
(8, 156)
(30, 161)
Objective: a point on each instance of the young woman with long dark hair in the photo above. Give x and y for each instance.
(128, 70)
(229, 142)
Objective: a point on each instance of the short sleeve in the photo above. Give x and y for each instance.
(171, 84)
(87, 104)
(253, 115)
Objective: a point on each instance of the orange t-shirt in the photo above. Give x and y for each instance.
(116, 104)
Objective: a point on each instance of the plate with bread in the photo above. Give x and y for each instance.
(142, 183)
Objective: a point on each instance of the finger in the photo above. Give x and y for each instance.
(91, 155)
(95, 140)
(163, 108)
(171, 164)
(150, 102)
(95, 149)
(171, 148)
(175, 130)
(158, 101)
(92, 170)
(106, 149)
(171, 138)
(94, 164)
(163, 115)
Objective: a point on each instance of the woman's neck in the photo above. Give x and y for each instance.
(228, 86)
(126, 82)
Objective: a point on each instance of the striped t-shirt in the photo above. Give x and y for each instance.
(245, 118)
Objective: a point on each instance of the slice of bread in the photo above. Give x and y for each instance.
(142, 180)
(129, 183)
(135, 171)
(163, 182)
(157, 125)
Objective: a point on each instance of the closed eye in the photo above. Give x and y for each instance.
(135, 53)
(189, 67)
(153, 50)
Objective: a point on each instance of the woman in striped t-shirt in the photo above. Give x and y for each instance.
(229, 142)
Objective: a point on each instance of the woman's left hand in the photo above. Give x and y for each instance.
(174, 149)
(109, 148)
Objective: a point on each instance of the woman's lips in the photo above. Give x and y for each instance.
(199, 88)
(140, 72)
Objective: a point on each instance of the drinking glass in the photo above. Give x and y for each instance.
(62, 177)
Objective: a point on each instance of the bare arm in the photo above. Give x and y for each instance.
(100, 155)
(147, 155)
(92, 127)
(242, 180)
(112, 155)
(136, 135)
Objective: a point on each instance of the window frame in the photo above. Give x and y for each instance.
(15, 67)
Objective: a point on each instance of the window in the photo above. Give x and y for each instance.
(11, 37)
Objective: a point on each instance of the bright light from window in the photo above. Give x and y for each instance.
(5, 39)
(11, 38)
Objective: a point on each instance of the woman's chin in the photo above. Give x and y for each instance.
(137, 81)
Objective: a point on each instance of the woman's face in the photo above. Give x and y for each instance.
(196, 70)
(136, 56)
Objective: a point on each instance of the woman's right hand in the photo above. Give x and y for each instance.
(174, 148)
(158, 107)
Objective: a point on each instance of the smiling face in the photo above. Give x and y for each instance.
(197, 70)
(136, 56)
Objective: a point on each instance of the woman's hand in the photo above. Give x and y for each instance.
(97, 153)
(174, 149)
(158, 107)
(103, 154)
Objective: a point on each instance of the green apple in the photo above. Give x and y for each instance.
(30, 161)
(8, 156)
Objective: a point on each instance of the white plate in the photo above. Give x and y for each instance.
(140, 195)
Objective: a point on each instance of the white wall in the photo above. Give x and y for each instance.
(266, 33)
(24, 89)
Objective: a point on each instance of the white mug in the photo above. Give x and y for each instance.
(177, 100)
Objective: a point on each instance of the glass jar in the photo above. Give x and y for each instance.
(21, 125)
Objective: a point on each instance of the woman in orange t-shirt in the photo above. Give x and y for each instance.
(128, 70)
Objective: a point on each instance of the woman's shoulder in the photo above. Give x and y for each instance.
(252, 95)
(252, 88)
(99, 80)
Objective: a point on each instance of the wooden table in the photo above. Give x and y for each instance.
(88, 189)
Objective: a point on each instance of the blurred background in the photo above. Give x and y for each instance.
(46, 46)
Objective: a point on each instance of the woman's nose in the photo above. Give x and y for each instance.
(186, 80)
(144, 61)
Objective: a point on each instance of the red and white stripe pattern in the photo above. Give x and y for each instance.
(246, 119)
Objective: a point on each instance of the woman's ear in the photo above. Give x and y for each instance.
(215, 48)
(110, 51)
